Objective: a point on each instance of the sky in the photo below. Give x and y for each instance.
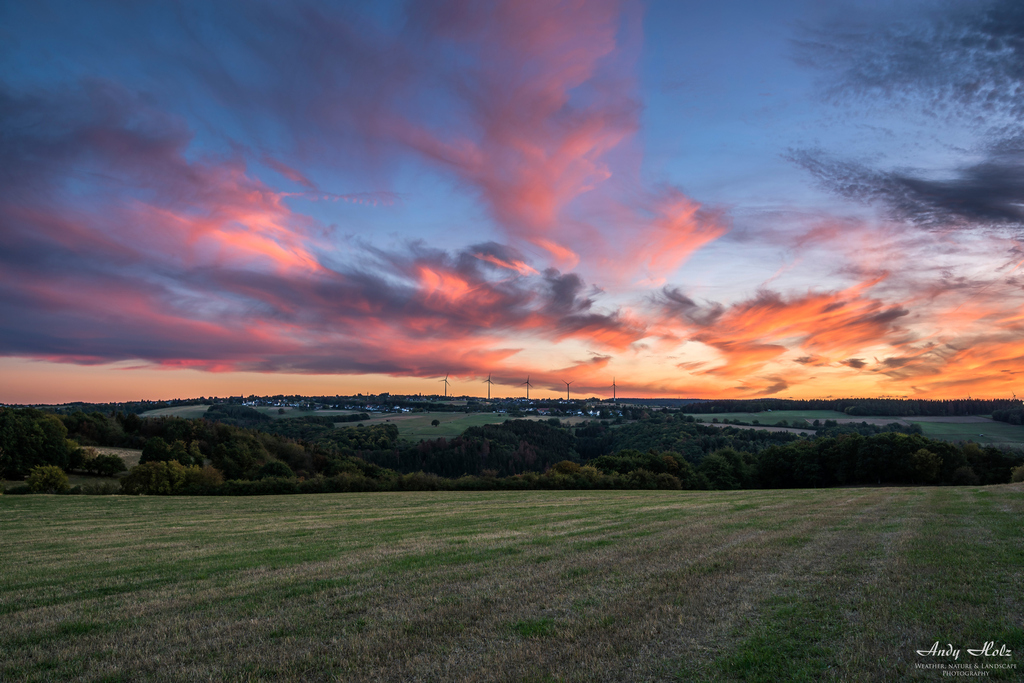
(734, 199)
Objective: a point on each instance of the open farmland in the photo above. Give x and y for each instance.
(187, 412)
(416, 426)
(771, 418)
(275, 412)
(981, 431)
(833, 584)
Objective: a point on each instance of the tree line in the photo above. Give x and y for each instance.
(880, 407)
(660, 450)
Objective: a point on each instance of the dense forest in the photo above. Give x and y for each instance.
(237, 450)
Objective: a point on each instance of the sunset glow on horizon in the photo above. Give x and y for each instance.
(733, 201)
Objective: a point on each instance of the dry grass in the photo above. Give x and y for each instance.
(834, 584)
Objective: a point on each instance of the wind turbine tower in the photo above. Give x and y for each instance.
(567, 388)
(489, 383)
(528, 385)
(613, 390)
(445, 380)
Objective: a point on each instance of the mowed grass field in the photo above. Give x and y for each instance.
(799, 585)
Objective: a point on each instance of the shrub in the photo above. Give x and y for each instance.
(565, 467)
(275, 468)
(47, 479)
(421, 481)
(642, 479)
(157, 478)
(667, 482)
(1017, 474)
(965, 476)
(155, 450)
(106, 465)
(208, 475)
(103, 488)
(719, 472)
(926, 464)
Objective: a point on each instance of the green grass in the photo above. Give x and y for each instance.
(416, 426)
(979, 432)
(983, 433)
(187, 412)
(274, 412)
(839, 584)
(771, 418)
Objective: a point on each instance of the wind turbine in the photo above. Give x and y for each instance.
(528, 385)
(445, 380)
(489, 383)
(567, 388)
(613, 390)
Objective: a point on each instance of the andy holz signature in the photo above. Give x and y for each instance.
(988, 650)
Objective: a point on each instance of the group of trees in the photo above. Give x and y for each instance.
(660, 450)
(1013, 415)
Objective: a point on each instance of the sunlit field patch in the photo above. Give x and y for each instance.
(833, 584)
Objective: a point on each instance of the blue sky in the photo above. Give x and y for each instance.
(729, 199)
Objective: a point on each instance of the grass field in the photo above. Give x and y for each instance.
(771, 418)
(956, 429)
(984, 433)
(274, 412)
(416, 426)
(186, 412)
(803, 585)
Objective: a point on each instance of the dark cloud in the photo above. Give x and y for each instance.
(988, 193)
(964, 62)
(964, 59)
(855, 363)
(676, 303)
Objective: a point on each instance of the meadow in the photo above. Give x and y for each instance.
(417, 427)
(802, 585)
(770, 418)
(192, 412)
(980, 430)
(990, 432)
(186, 412)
